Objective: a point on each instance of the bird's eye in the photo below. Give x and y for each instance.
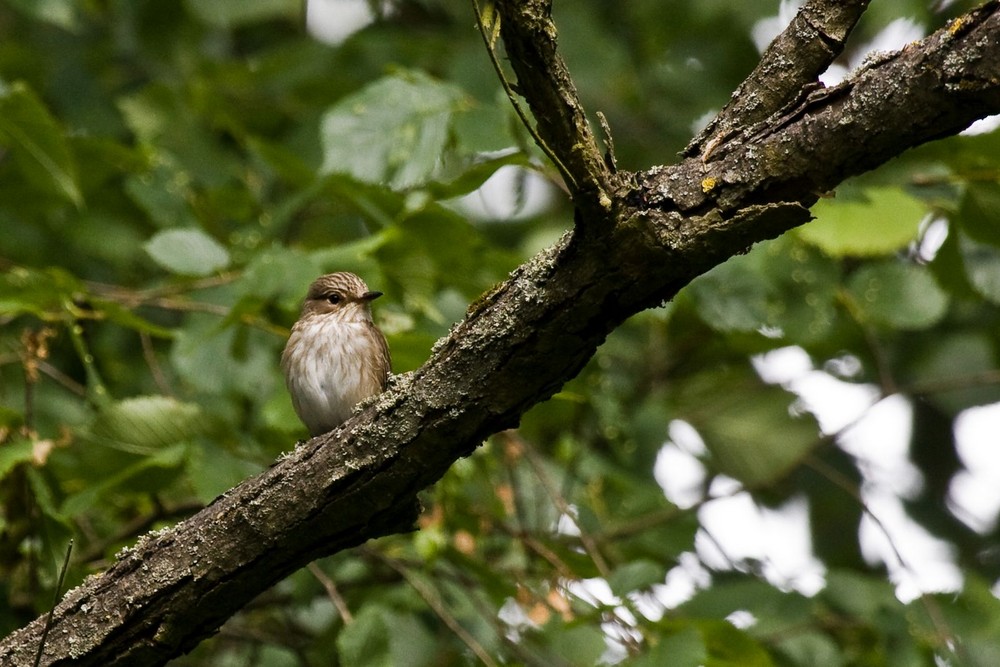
(334, 298)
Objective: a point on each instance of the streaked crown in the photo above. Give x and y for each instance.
(339, 292)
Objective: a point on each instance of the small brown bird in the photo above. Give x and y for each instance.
(336, 356)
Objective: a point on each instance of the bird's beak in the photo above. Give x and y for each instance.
(370, 296)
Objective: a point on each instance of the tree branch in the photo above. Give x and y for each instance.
(930, 89)
(792, 63)
(544, 80)
(517, 345)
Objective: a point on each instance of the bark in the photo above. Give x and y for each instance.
(791, 64)
(639, 238)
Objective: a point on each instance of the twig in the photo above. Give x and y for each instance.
(930, 606)
(55, 601)
(133, 297)
(587, 540)
(149, 354)
(545, 84)
(934, 386)
(66, 381)
(489, 42)
(331, 590)
(171, 298)
(436, 606)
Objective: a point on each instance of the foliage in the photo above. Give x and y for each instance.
(174, 174)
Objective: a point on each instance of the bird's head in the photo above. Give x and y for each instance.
(342, 295)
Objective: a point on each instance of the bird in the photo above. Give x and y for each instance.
(335, 356)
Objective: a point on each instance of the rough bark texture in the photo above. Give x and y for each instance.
(790, 65)
(639, 239)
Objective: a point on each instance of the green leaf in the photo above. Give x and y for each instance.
(747, 426)
(169, 458)
(181, 145)
(163, 194)
(119, 314)
(278, 413)
(61, 13)
(392, 131)
(979, 213)
(235, 13)
(635, 576)
(462, 179)
(380, 636)
(575, 644)
(10, 419)
(982, 267)
(42, 293)
(902, 296)
(147, 112)
(971, 615)
(811, 648)
(44, 498)
(777, 612)
(289, 164)
(729, 646)
(732, 297)
(145, 424)
(37, 142)
(189, 252)
(684, 648)
(782, 285)
(949, 267)
(279, 273)
(13, 453)
(859, 595)
(948, 367)
(884, 221)
(214, 469)
(223, 360)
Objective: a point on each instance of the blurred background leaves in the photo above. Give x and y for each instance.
(174, 174)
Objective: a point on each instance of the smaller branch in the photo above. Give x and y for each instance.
(927, 90)
(586, 540)
(489, 615)
(543, 79)
(516, 495)
(55, 601)
(97, 393)
(173, 298)
(434, 602)
(945, 634)
(883, 369)
(489, 42)
(790, 66)
(61, 378)
(936, 386)
(331, 590)
(133, 297)
(149, 354)
(532, 543)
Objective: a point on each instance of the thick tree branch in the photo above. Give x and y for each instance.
(929, 89)
(792, 63)
(515, 348)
